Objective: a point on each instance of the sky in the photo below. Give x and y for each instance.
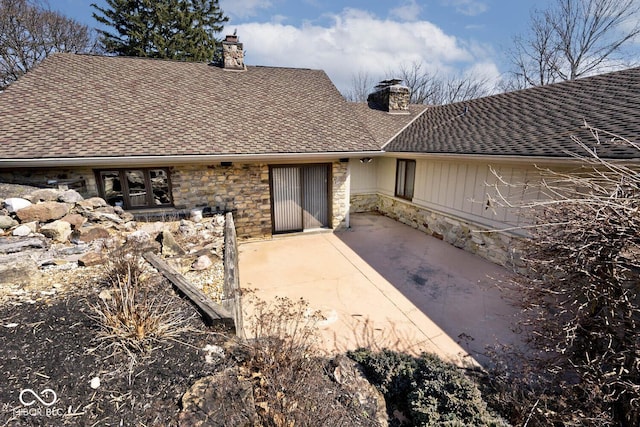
(372, 37)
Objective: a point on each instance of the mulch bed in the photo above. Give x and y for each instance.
(51, 344)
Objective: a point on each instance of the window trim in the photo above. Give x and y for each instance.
(126, 197)
(402, 194)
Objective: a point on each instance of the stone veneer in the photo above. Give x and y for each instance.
(340, 188)
(494, 246)
(243, 188)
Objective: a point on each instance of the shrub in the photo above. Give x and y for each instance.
(290, 383)
(133, 315)
(425, 389)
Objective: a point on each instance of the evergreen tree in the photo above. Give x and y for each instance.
(170, 29)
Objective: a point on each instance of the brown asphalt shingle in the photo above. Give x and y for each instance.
(533, 122)
(89, 106)
(382, 125)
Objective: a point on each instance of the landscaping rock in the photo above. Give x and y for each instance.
(139, 236)
(91, 258)
(43, 212)
(70, 196)
(14, 204)
(44, 195)
(219, 400)
(9, 245)
(348, 373)
(169, 245)
(89, 234)
(20, 271)
(22, 231)
(91, 203)
(202, 263)
(7, 222)
(76, 220)
(97, 216)
(57, 230)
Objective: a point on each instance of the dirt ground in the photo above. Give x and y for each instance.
(48, 345)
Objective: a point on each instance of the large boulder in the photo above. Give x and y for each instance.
(219, 400)
(169, 245)
(43, 212)
(70, 196)
(18, 271)
(91, 258)
(44, 195)
(57, 230)
(92, 203)
(89, 234)
(76, 220)
(7, 222)
(14, 204)
(350, 376)
(22, 231)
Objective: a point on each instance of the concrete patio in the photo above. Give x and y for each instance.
(384, 284)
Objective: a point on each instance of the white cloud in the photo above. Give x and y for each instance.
(356, 41)
(243, 8)
(409, 11)
(468, 7)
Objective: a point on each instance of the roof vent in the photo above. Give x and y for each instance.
(390, 95)
(232, 54)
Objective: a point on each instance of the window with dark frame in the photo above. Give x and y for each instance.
(405, 178)
(135, 188)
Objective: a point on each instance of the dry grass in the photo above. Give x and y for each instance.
(132, 316)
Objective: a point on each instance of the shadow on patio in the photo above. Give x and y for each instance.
(384, 284)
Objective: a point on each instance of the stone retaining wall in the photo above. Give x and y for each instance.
(494, 246)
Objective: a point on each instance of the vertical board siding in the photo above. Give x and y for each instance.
(300, 197)
(287, 199)
(468, 188)
(316, 200)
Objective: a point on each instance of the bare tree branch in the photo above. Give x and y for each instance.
(30, 31)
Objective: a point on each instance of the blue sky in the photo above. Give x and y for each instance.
(345, 38)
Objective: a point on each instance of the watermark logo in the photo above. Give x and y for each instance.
(24, 394)
(46, 399)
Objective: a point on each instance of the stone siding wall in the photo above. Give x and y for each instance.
(340, 187)
(82, 180)
(494, 246)
(242, 187)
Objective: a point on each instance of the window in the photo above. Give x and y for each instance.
(135, 188)
(405, 178)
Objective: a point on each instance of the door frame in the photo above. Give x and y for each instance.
(329, 169)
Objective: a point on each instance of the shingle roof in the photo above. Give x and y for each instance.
(533, 122)
(382, 125)
(89, 106)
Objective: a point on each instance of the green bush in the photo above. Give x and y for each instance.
(425, 389)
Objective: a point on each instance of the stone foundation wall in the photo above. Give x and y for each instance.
(240, 187)
(494, 246)
(82, 180)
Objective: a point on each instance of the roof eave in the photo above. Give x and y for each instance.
(145, 161)
(547, 160)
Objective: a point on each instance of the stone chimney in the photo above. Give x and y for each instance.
(232, 54)
(390, 96)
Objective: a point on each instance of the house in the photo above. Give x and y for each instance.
(436, 175)
(272, 144)
(282, 149)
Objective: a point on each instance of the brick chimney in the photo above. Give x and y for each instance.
(232, 54)
(390, 96)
